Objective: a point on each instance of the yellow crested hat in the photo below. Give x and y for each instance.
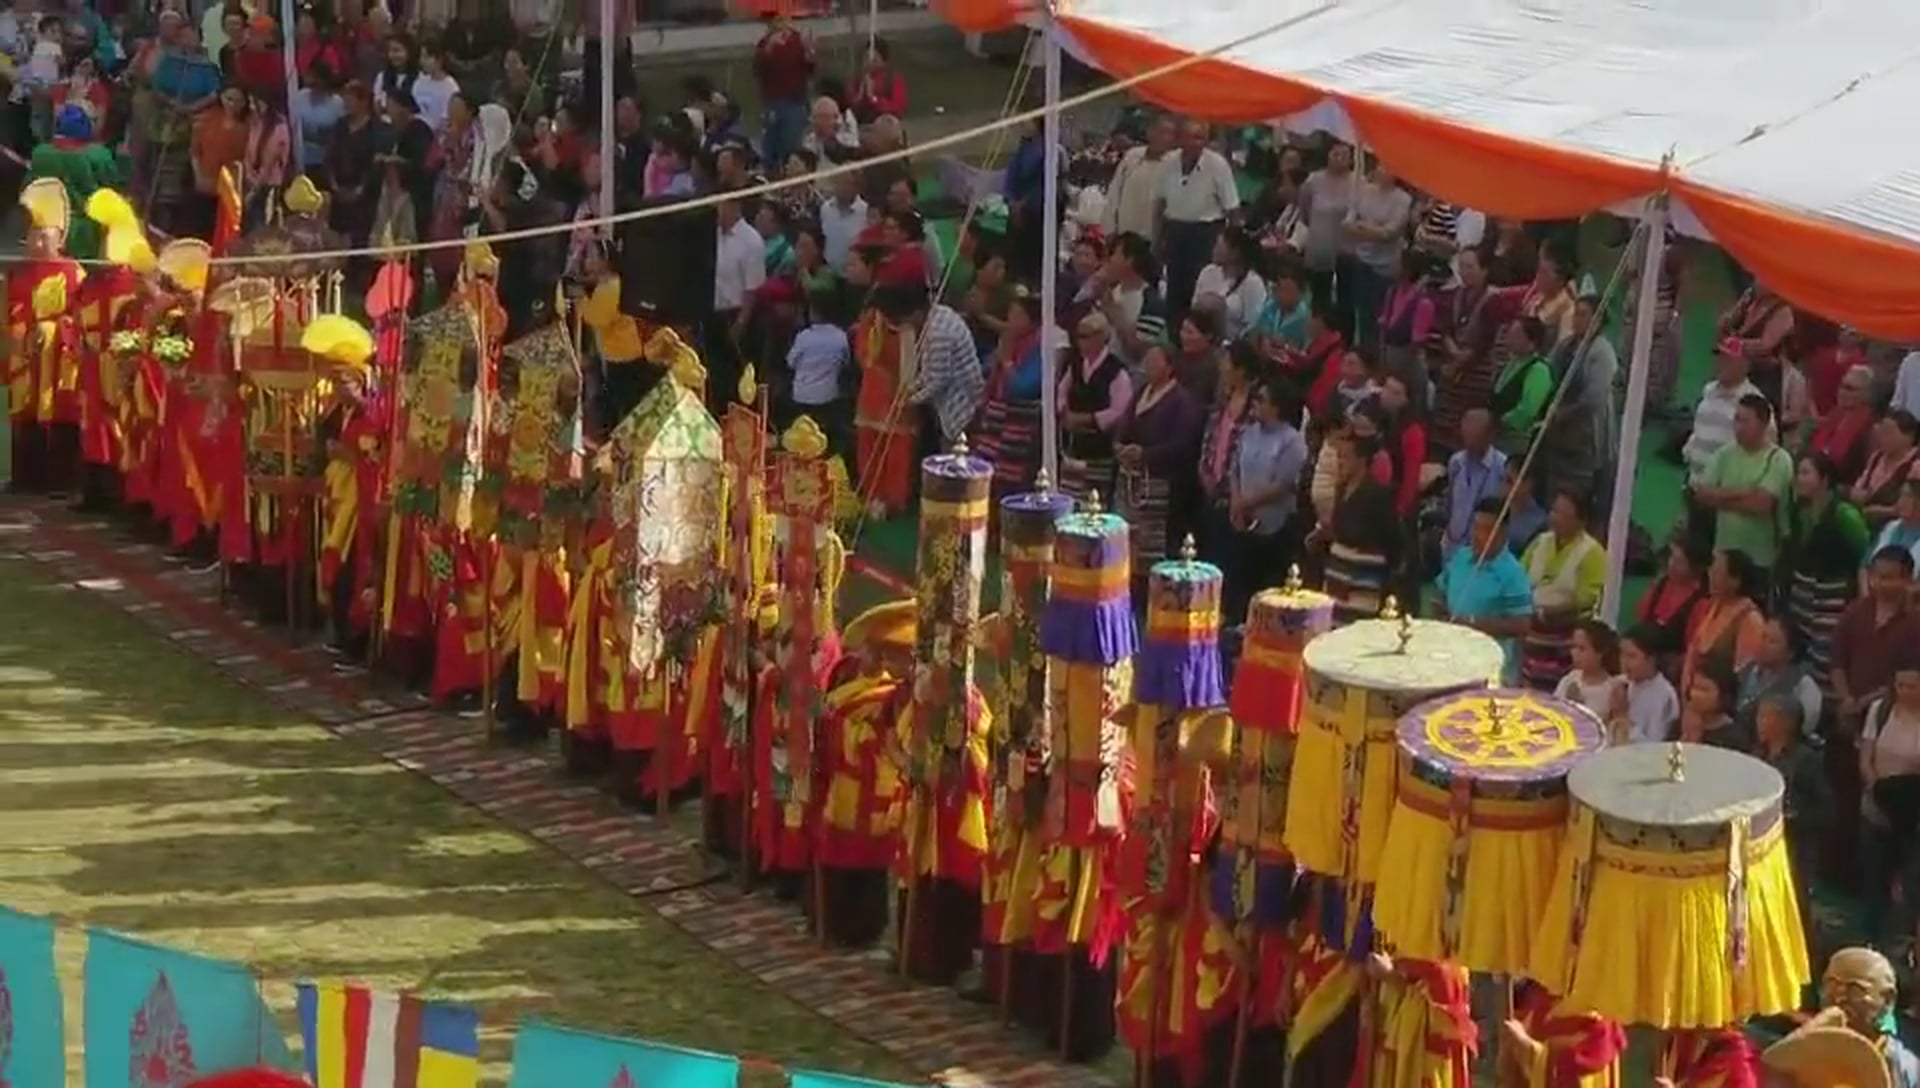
(890, 626)
(186, 261)
(804, 439)
(303, 197)
(665, 348)
(480, 260)
(340, 340)
(47, 206)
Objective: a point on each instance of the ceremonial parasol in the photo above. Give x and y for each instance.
(1479, 812)
(1360, 680)
(1673, 904)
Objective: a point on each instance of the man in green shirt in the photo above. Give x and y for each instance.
(1747, 483)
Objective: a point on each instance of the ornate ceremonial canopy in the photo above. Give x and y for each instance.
(668, 473)
(438, 466)
(533, 450)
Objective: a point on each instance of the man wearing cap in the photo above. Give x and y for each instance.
(859, 825)
(947, 382)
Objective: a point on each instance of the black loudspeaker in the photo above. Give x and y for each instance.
(666, 263)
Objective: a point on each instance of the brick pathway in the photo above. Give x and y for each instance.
(932, 1031)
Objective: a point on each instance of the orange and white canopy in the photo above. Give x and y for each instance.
(1782, 117)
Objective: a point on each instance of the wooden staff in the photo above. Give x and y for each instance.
(1248, 932)
(483, 388)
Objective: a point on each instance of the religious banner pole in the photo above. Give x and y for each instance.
(804, 497)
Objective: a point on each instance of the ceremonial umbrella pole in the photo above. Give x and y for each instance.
(1028, 525)
(955, 489)
(744, 443)
(1177, 673)
(1253, 873)
(1090, 638)
(480, 535)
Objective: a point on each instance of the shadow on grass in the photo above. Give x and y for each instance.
(144, 792)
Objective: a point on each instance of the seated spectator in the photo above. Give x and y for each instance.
(1566, 567)
(1844, 436)
(1593, 676)
(1645, 709)
(1526, 515)
(880, 92)
(1475, 472)
(1666, 612)
(1483, 586)
(1282, 324)
(832, 133)
(1707, 717)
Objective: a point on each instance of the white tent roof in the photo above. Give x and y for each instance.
(1795, 104)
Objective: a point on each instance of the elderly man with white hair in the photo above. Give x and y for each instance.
(832, 133)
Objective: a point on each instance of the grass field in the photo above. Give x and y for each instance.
(143, 792)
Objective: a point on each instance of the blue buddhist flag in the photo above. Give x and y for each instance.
(550, 1057)
(834, 1080)
(33, 1050)
(158, 1018)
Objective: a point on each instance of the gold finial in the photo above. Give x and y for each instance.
(960, 445)
(1188, 550)
(1294, 583)
(1042, 482)
(1406, 631)
(749, 388)
(1093, 503)
(1677, 762)
(1496, 714)
(1390, 608)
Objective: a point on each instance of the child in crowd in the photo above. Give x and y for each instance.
(1356, 383)
(1644, 708)
(1707, 717)
(1595, 651)
(819, 360)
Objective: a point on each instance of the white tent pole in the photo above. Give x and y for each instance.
(1050, 256)
(1633, 419)
(290, 61)
(607, 55)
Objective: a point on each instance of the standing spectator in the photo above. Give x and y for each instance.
(1093, 396)
(1523, 389)
(1404, 437)
(819, 359)
(1408, 321)
(882, 138)
(1778, 671)
(1323, 202)
(407, 187)
(1475, 472)
(1314, 369)
(1747, 484)
(1376, 223)
(1906, 385)
(269, 154)
(950, 383)
(316, 110)
(783, 64)
(1844, 434)
(1234, 278)
(1874, 641)
(473, 42)
(881, 91)
(1155, 444)
(1198, 359)
(1228, 415)
(259, 65)
(400, 72)
(1713, 429)
(1484, 587)
(353, 175)
(1826, 542)
(1282, 324)
(519, 92)
(1471, 322)
(1526, 514)
(842, 217)
(311, 49)
(1581, 444)
(832, 133)
(1135, 187)
(1894, 457)
(457, 144)
(1262, 491)
(219, 142)
(1667, 609)
(1726, 630)
(1130, 306)
(1756, 328)
(530, 268)
(434, 88)
(1197, 196)
(739, 268)
(1903, 531)
(1889, 766)
(1010, 416)
(1025, 189)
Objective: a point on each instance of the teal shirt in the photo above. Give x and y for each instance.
(1496, 589)
(1288, 327)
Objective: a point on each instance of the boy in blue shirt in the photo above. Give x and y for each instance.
(1485, 587)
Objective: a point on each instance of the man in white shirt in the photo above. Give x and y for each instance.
(1906, 385)
(842, 217)
(1136, 183)
(1197, 195)
(1713, 416)
(739, 268)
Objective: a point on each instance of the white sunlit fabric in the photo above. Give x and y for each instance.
(1782, 116)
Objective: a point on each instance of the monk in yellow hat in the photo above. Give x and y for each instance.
(859, 820)
(41, 293)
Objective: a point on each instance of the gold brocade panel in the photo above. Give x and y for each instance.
(532, 465)
(438, 456)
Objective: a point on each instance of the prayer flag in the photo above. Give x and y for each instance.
(156, 1018)
(361, 1038)
(550, 1057)
(33, 1050)
(834, 1080)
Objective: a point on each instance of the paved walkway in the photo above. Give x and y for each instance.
(932, 1031)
